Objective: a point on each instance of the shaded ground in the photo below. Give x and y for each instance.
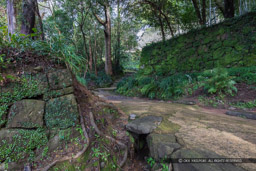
(195, 127)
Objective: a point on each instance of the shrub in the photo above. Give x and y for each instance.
(217, 81)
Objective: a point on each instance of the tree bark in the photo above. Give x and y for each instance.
(28, 16)
(117, 58)
(11, 15)
(95, 54)
(204, 12)
(198, 12)
(107, 33)
(90, 56)
(229, 8)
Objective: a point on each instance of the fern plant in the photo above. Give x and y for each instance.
(217, 81)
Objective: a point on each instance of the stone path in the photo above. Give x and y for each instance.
(210, 131)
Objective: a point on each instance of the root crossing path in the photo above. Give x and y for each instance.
(195, 127)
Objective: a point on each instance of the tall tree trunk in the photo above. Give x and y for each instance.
(229, 8)
(204, 12)
(198, 12)
(28, 16)
(90, 56)
(162, 27)
(107, 31)
(95, 54)
(40, 20)
(11, 15)
(117, 58)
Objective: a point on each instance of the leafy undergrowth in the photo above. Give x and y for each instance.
(95, 81)
(216, 87)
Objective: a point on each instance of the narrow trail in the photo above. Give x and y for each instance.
(195, 127)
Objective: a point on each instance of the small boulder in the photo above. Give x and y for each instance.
(247, 115)
(161, 146)
(59, 79)
(144, 125)
(26, 114)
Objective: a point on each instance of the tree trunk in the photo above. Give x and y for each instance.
(117, 58)
(11, 15)
(204, 12)
(28, 16)
(40, 20)
(229, 8)
(90, 56)
(107, 31)
(95, 54)
(220, 5)
(197, 12)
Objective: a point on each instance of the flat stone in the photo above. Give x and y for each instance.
(196, 153)
(59, 79)
(161, 146)
(61, 112)
(144, 125)
(247, 115)
(26, 114)
(186, 102)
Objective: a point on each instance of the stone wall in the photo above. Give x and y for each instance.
(228, 44)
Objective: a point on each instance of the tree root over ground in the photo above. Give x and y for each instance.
(111, 139)
(78, 154)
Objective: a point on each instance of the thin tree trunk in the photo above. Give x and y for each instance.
(28, 16)
(204, 12)
(11, 15)
(107, 31)
(117, 58)
(90, 56)
(229, 8)
(197, 12)
(95, 54)
(40, 20)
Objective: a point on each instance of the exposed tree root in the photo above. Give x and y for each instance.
(78, 154)
(111, 139)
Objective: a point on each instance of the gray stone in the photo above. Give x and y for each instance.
(196, 153)
(186, 102)
(248, 115)
(161, 146)
(144, 125)
(59, 79)
(12, 166)
(61, 112)
(26, 114)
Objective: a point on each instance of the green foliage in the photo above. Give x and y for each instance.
(151, 161)
(101, 80)
(60, 113)
(245, 105)
(22, 145)
(243, 74)
(217, 81)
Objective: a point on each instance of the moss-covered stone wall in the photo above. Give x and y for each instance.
(228, 44)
